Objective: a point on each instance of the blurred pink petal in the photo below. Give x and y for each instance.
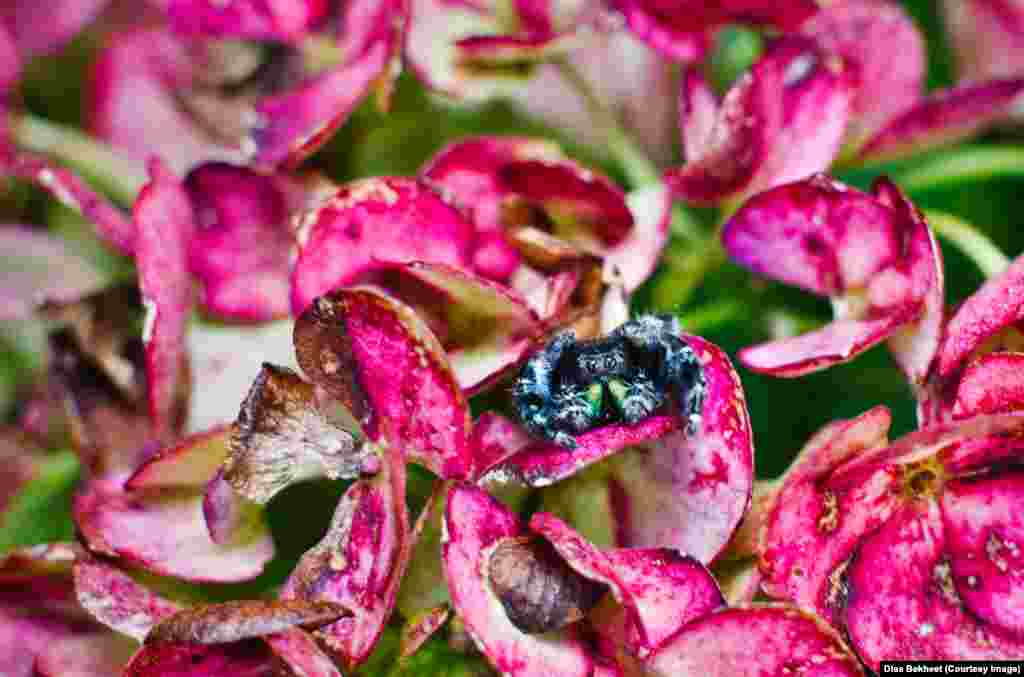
(988, 36)
(40, 28)
(164, 225)
(285, 20)
(698, 114)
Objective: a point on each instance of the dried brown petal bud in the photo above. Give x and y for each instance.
(243, 619)
(538, 590)
(282, 436)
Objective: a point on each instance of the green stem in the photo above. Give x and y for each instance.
(969, 240)
(113, 173)
(637, 167)
(964, 164)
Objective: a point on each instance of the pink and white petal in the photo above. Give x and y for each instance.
(360, 562)
(280, 20)
(991, 384)
(762, 639)
(495, 439)
(943, 118)
(813, 525)
(916, 346)
(660, 589)
(362, 24)
(402, 387)
(117, 600)
(474, 524)
(837, 342)
(988, 37)
(87, 655)
(885, 51)
(902, 602)
(698, 112)
(373, 222)
(41, 29)
(816, 234)
(482, 52)
(983, 530)
(164, 533)
(300, 652)
(997, 305)
(164, 224)
(674, 33)
(587, 209)
(38, 267)
(251, 658)
(241, 249)
(663, 492)
(112, 225)
(634, 259)
(133, 100)
(291, 126)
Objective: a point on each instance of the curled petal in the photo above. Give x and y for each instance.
(187, 465)
(165, 533)
(244, 19)
(115, 599)
(300, 651)
(997, 305)
(885, 51)
(474, 525)
(634, 259)
(660, 589)
(715, 466)
(698, 112)
(39, 29)
(401, 385)
(988, 37)
(782, 121)
(359, 563)
(944, 118)
(282, 437)
(992, 384)
(373, 222)
(94, 654)
(291, 126)
(242, 243)
(242, 619)
(45, 270)
(762, 639)
(71, 191)
(164, 224)
(495, 439)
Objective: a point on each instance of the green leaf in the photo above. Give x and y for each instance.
(41, 511)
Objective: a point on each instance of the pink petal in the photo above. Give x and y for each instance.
(698, 112)
(179, 659)
(111, 224)
(303, 656)
(988, 36)
(164, 223)
(813, 525)
(230, 517)
(284, 20)
(115, 599)
(996, 306)
(474, 524)
(242, 243)
(661, 493)
(902, 602)
(360, 561)
(41, 29)
(782, 121)
(885, 50)
(495, 439)
(401, 385)
(20, 456)
(164, 533)
(992, 384)
(660, 589)
(375, 221)
(133, 92)
(365, 23)
(190, 464)
(760, 640)
(944, 118)
(39, 267)
(87, 655)
(293, 125)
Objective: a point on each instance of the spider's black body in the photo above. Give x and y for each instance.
(573, 386)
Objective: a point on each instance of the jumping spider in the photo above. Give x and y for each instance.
(573, 386)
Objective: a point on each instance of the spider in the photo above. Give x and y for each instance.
(573, 386)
